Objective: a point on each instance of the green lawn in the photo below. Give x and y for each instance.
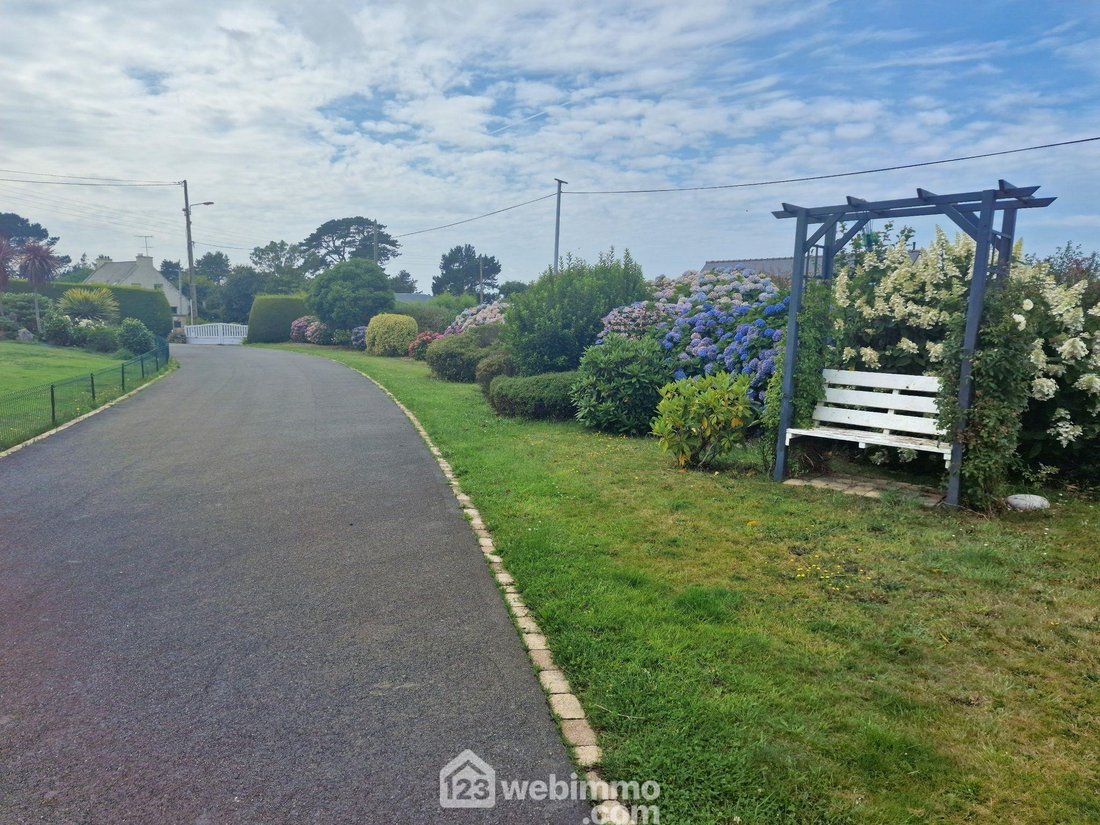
(773, 654)
(31, 365)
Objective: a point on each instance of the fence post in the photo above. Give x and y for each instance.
(123, 368)
(92, 376)
(53, 407)
(156, 360)
(143, 366)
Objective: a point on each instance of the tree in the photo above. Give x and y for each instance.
(350, 294)
(171, 270)
(38, 265)
(403, 281)
(281, 260)
(213, 265)
(1069, 264)
(8, 257)
(463, 270)
(77, 272)
(239, 290)
(19, 230)
(509, 288)
(343, 239)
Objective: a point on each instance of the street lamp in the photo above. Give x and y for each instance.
(187, 207)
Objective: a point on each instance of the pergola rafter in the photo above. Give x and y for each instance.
(973, 212)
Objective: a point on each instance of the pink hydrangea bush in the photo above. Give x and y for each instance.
(490, 313)
(299, 326)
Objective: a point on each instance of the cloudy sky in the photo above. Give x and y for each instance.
(286, 114)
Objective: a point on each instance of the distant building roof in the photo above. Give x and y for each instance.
(411, 297)
(776, 268)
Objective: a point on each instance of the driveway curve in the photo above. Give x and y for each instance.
(247, 595)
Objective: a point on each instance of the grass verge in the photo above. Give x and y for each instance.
(791, 655)
(25, 365)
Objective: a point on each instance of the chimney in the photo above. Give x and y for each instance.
(101, 260)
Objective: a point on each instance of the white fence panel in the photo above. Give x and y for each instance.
(216, 333)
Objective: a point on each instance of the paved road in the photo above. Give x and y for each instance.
(247, 595)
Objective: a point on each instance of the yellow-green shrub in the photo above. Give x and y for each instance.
(390, 334)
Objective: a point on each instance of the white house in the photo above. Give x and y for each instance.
(142, 273)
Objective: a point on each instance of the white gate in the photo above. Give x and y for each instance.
(216, 333)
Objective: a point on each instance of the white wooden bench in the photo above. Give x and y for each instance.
(880, 408)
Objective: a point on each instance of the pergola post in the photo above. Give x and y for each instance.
(974, 305)
(786, 409)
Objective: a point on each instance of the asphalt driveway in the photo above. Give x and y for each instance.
(247, 595)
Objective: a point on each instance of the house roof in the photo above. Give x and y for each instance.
(411, 297)
(112, 272)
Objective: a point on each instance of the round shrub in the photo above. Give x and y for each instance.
(350, 293)
(418, 349)
(390, 334)
(545, 396)
(342, 337)
(135, 336)
(58, 330)
(99, 339)
(299, 326)
(699, 419)
(428, 317)
(489, 367)
(619, 384)
(455, 357)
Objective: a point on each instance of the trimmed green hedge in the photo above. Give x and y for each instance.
(534, 396)
(147, 305)
(270, 318)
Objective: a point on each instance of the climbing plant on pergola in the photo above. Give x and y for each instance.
(973, 212)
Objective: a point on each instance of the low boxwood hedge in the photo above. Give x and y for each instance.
(545, 396)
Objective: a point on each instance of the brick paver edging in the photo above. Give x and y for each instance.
(43, 436)
(564, 704)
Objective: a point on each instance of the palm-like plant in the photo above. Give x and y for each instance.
(81, 303)
(38, 264)
(8, 257)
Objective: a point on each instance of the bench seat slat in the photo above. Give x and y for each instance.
(881, 400)
(881, 421)
(882, 380)
(871, 437)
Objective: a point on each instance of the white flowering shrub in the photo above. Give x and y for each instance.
(897, 312)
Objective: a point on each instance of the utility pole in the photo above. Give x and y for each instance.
(375, 242)
(480, 277)
(557, 224)
(191, 246)
(190, 251)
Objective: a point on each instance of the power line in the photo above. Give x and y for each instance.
(835, 174)
(477, 218)
(87, 177)
(77, 183)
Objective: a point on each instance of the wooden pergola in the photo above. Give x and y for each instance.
(973, 212)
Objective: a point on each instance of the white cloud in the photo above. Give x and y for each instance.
(421, 113)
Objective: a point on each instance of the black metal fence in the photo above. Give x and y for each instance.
(27, 413)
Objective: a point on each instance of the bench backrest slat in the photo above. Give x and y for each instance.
(877, 420)
(881, 400)
(882, 380)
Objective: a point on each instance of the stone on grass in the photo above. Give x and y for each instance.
(1027, 501)
(25, 336)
